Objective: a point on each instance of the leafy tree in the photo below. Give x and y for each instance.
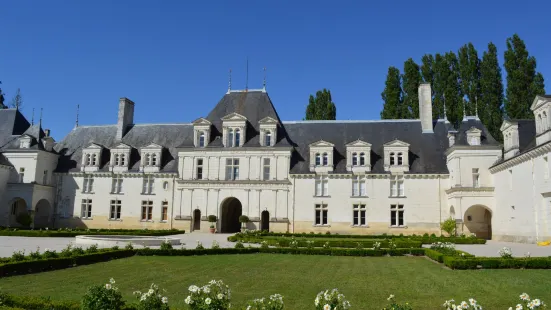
(427, 70)
(448, 226)
(447, 88)
(469, 72)
(321, 107)
(392, 95)
(523, 82)
(410, 82)
(17, 100)
(2, 106)
(491, 89)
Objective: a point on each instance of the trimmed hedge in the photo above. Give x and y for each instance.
(303, 242)
(192, 252)
(34, 266)
(80, 232)
(11, 302)
(497, 263)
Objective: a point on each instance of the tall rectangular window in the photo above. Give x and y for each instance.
(397, 186)
(199, 173)
(321, 214)
(358, 215)
(476, 178)
(148, 184)
(232, 169)
(116, 184)
(21, 175)
(266, 169)
(545, 168)
(115, 213)
(88, 184)
(397, 215)
(164, 211)
(86, 208)
(45, 177)
(322, 185)
(147, 210)
(359, 185)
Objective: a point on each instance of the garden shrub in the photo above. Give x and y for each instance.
(448, 226)
(396, 306)
(151, 299)
(165, 245)
(274, 302)
(72, 232)
(214, 295)
(105, 297)
(331, 299)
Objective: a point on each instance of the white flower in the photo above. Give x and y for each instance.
(220, 296)
(464, 305)
(472, 301)
(193, 288)
(151, 291)
(112, 281)
(206, 289)
(317, 301)
(207, 301)
(390, 297)
(108, 286)
(518, 307)
(327, 307)
(164, 300)
(188, 300)
(536, 302)
(524, 296)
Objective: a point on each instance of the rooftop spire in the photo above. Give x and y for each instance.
(40, 122)
(476, 106)
(32, 118)
(76, 123)
(264, 84)
(229, 83)
(464, 111)
(445, 114)
(247, 80)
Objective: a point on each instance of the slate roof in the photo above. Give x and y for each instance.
(167, 135)
(254, 105)
(526, 134)
(12, 125)
(426, 151)
(4, 161)
(471, 121)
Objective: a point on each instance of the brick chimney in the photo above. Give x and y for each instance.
(126, 117)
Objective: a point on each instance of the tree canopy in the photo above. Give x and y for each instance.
(321, 107)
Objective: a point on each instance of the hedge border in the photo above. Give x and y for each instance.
(285, 242)
(74, 233)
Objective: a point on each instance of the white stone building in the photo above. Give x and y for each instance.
(359, 177)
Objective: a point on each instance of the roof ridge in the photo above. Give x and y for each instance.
(351, 121)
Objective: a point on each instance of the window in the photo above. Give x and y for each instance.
(358, 215)
(202, 139)
(322, 185)
(354, 159)
(325, 159)
(318, 159)
(397, 186)
(86, 208)
(94, 159)
(13, 207)
(165, 185)
(397, 215)
(321, 214)
(545, 168)
(116, 185)
(147, 210)
(21, 175)
(117, 159)
(88, 184)
(510, 180)
(148, 184)
(153, 159)
(147, 160)
(123, 156)
(88, 159)
(475, 178)
(359, 185)
(362, 159)
(268, 139)
(266, 169)
(237, 137)
(199, 172)
(400, 159)
(232, 169)
(392, 161)
(230, 137)
(164, 211)
(115, 213)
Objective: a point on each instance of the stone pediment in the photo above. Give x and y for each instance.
(153, 146)
(122, 146)
(506, 124)
(322, 143)
(234, 117)
(201, 121)
(538, 102)
(359, 143)
(268, 120)
(397, 142)
(94, 146)
(474, 130)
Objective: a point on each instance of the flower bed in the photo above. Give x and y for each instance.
(69, 232)
(321, 242)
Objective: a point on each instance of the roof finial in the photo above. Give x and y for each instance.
(32, 118)
(464, 110)
(264, 84)
(229, 83)
(40, 122)
(445, 114)
(476, 105)
(247, 80)
(78, 107)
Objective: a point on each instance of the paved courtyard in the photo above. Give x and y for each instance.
(8, 245)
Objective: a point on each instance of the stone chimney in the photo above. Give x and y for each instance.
(126, 117)
(425, 107)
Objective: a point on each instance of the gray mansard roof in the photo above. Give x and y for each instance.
(12, 125)
(169, 136)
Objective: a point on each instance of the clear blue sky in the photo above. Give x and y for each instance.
(172, 57)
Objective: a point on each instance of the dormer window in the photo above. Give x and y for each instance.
(201, 132)
(120, 157)
(396, 156)
(25, 142)
(234, 129)
(325, 159)
(237, 137)
(362, 159)
(354, 159)
(473, 136)
(321, 157)
(318, 159)
(268, 131)
(541, 107)
(202, 139)
(151, 158)
(268, 139)
(91, 158)
(88, 160)
(357, 156)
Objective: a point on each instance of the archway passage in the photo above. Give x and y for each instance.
(231, 211)
(42, 214)
(197, 219)
(17, 207)
(478, 220)
(265, 221)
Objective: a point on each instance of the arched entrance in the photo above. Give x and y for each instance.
(42, 214)
(196, 219)
(17, 207)
(478, 221)
(231, 211)
(265, 221)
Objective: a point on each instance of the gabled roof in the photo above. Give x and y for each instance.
(396, 142)
(121, 146)
(474, 130)
(201, 121)
(153, 146)
(234, 117)
(538, 101)
(268, 120)
(4, 161)
(358, 143)
(94, 146)
(507, 123)
(322, 143)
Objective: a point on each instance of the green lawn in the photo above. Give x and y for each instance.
(366, 281)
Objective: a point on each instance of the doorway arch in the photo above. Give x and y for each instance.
(265, 221)
(196, 219)
(17, 206)
(478, 220)
(231, 211)
(42, 214)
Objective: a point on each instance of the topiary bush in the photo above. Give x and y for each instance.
(105, 297)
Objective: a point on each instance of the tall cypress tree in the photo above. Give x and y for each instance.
(427, 70)
(447, 88)
(321, 107)
(523, 82)
(469, 72)
(2, 106)
(410, 82)
(439, 77)
(491, 89)
(392, 95)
